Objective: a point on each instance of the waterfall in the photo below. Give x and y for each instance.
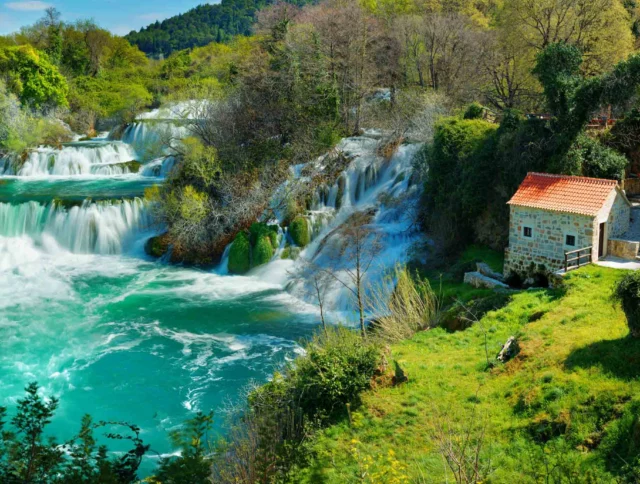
(100, 228)
(149, 139)
(100, 158)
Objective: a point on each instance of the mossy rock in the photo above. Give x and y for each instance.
(257, 230)
(290, 253)
(133, 166)
(299, 231)
(157, 246)
(240, 254)
(263, 251)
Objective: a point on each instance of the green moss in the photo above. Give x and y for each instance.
(299, 231)
(240, 254)
(263, 251)
(157, 246)
(133, 166)
(259, 229)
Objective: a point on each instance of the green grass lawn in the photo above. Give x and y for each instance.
(555, 408)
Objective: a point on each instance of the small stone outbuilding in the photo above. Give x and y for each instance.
(555, 214)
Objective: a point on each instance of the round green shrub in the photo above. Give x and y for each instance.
(474, 111)
(627, 292)
(240, 254)
(299, 231)
(263, 251)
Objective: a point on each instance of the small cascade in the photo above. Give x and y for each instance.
(85, 158)
(149, 139)
(90, 228)
(371, 184)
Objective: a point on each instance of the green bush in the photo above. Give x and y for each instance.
(627, 292)
(240, 254)
(338, 365)
(299, 231)
(474, 111)
(263, 251)
(593, 159)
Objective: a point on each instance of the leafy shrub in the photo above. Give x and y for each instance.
(474, 111)
(593, 159)
(240, 254)
(194, 463)
(299, 231)
(27, 456)
(338, 365)
(627, 292)
(32, 77)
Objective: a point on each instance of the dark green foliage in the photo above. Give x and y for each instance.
(474, 111)
(595, 160)
(262, 252)
(621, 444)
(240, 254)
(194, 463)
(157, 246)
(558, 69)
(627, 292)
(26, 456)
(299, 231)
(336, 368)
(200, 26)
(459, 175)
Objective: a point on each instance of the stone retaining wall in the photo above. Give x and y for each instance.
(624, 249)
(631, 186)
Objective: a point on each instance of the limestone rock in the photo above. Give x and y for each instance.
(485, 270)
(510, 349)
(476, 279)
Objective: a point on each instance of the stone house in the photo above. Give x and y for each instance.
(551, 215)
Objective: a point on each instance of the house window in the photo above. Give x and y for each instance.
(570, 240)
(528, 232)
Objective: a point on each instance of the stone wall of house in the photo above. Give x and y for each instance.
(547, 246)
(619, 217)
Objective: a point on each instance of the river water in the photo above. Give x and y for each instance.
(86, 314)
(112, 333)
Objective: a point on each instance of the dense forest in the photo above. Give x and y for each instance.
(200, 26)
(490, 91)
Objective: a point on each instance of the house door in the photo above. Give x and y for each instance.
(601, 243)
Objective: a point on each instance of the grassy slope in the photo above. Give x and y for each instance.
(575, 374)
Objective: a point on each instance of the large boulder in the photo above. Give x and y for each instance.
(485, 270)
(478, 280)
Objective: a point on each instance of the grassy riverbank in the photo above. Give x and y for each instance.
(557, 409)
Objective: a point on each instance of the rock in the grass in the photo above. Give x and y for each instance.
(476, 279)
(485, 270)
(510, 349)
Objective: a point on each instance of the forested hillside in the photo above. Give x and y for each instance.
(200, 26)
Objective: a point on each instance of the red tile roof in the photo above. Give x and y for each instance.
(560, 193)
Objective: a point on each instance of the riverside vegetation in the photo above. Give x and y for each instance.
(417, 395)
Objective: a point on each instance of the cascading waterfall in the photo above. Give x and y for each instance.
(382, 188)
(99, 228)
(99, 158)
